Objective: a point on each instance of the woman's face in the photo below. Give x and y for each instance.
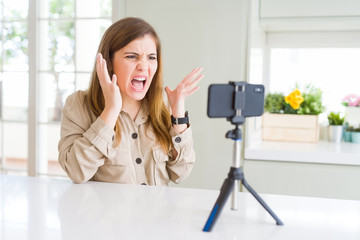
(135, 66)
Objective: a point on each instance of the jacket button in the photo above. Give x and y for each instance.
(178, 139)
(134, 135)
(138, 160)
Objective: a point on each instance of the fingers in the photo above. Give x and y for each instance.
(114, 79)
(190, 77)
(101, 70)
(190, 81)
(192, 91)
(98, 59)
(187, 86)
(104, 72)
(167, 90)
(195, 82)
(99, 67)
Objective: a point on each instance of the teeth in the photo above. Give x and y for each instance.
(139, 79)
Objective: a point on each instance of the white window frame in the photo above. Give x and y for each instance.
(34, 146)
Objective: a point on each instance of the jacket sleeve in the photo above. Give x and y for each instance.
(181, 167)
(84, 145)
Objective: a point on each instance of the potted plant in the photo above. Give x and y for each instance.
(348, 129)
(352, 108)
(335, 128)
(293, 117)
(274, 103)
(355, 135)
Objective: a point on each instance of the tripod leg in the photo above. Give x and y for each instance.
(225, 191)
(259, 199)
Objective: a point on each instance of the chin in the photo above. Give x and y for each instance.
(138, 97)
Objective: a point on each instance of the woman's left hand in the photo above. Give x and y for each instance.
(185, 88)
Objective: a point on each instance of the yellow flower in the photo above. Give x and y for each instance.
(294, 99)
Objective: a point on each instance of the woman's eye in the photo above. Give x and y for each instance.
(152, 58)
(131, 56)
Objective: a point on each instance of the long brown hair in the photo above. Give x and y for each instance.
(117, 36)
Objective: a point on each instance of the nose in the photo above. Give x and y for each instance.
(143, 65)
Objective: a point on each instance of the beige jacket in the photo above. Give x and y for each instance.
(87, 152)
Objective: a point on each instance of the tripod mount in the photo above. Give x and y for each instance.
(236, 174)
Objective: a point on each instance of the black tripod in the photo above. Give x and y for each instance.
(231, 184)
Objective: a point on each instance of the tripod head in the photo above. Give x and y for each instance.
(234, 134)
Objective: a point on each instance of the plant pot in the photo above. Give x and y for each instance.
(335, 133)
(290, 127)
(347, 136)
(355, 137)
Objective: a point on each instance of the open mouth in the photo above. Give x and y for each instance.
(138, 83)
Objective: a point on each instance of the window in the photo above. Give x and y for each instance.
(334, 70)
(66, 55)
(326, 59)
(13, 84)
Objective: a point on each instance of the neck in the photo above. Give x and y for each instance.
(132, 107)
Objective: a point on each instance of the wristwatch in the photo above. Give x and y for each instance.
(183, 120)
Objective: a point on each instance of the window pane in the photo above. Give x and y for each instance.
(15, 96)
(87, 42)
(334, 70)
(15, 46)
(53, 92)
(47, 97)
(1, 10)
(57, 41)
(82, 81)
(69, 36)
(66, 84)
(50, 136)
(57, 9)
(94, 8)
(15, 145)
(15, 9)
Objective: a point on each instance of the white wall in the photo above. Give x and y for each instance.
(305, 15)
(309, 8)
(304, 179)
(210, 34)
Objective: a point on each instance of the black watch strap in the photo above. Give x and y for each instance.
(183, 120)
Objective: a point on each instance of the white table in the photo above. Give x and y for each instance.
(42, 208)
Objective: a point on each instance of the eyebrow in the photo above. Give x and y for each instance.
(135, 53)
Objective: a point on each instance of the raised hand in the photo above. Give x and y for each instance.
(111, 92)
(186, 87)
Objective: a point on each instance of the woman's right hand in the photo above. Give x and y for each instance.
(111, 92)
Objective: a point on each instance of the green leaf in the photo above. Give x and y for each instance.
(275, 103)
(335, 119)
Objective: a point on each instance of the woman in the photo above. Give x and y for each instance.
(120, 129)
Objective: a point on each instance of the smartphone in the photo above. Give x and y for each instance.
(221, 99)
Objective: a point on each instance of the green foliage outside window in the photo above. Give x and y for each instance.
(312, 104)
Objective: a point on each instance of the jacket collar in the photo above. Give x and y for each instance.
(143, 113)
